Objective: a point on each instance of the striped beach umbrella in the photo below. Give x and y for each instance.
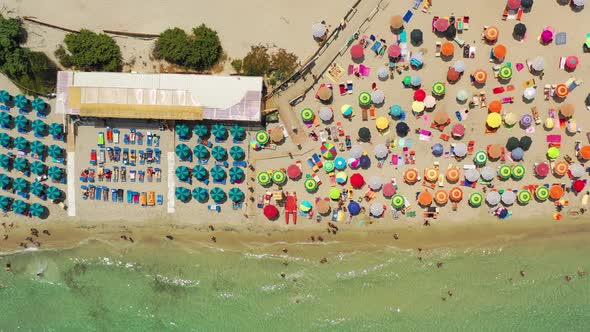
(39, 127)
(305, 206)
(4, 96)
(237, 131)
(398, 201)
(53, 192)
(431, 174)
(55, 151)
(310, 185)
(38, 147)
(441, 197)
(200, 172)
(21, 101)
(56, 129)
(182, 173)
(236, 152)
(329, 166)
(524, 197)
(475, 199)
(341, 177)
(19, 206)
(219, 131)
(504, 172)
(561, 90)
(5, 140)
(235, 194)
(505, 72)
(518, 171)
(37, 210)
(5, 181)
(365, 99)
(21, 122)
(480, 158)
(438, 89)
(182, 194)
(20, 164)
(218, 173)
(38, 104)
(37, 167)
(37, 188)
(262, 137)
(200, 194)
(201, 130)
(307, 114)
(411, 175)
(236, 174)
(5, 120)
(264, 178)
(182, 130)
(219, 153)
(453, 174)
(4, 161)
(328, 150)
(561, 167)
(217, 195)
(346, 110)
(456, 194)
(201, 151)
(542, 193)
(279, 177)
(21, 184)
(182, 151)
(4, 202)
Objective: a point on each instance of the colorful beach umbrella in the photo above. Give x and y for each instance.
(480, 76)
(456, 194)
(4, 202)
(418, 106)
(182, 194)
(270, 211)
(21, 122)
(504, 171)
(55, 129)
(5, 181)
(500, 52)
(398, 201)
(200, 194)
(411, 175)
(357, 51)
(438, 89)
(305, 206)
(572, 62)
(263, 178)
(577, 170)
(561, 90)
(505, 72)
(55, 151)
(4, 161)
(5, 96)
(471, 175)
(556, 192)
(20, 164)
(453, 174)
(38, 104)
(182, 151)
(341, 177)
(578, 185)
(365, 99)
(200, 172)
(328, 150)
(236, 152)
(218, 173)
(237, 131)
(201, 130)
(513, 4)
(524, 197)
(38, 147)
(39, 127)
(326, 114)
(55, 173)
(236, 174)
(487, 173)
(419, 95)
(491, 33)
(553, 152)
(460, 149)
(37, 210)
(480, 157)
(307, 114)
(542, 193)
(5, 119)
(19, 206)
(441, 197)
(475, 199)
(509, 119)
(262, 137)
(377, 97)
(346, 110)
(219, 131)
(279, 177)
(183, 173)
(5, 140)
(201, 152)
(424, 198)
(294, 171)
(37, 167)
(382, 123)
(518, 171)
(219, 153)
(21, 101)
(357, 180)
(561, 168)
(235, 194)
(182, 130)
(542, 169)
(310, 185)
(37, 188)
(431, 174)
(340, 163)
(329, 166)
(53, 193)
(20, 184)
(334, 193)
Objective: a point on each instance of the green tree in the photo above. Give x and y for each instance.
(205, 48)
(172, 46)
(283, 64)
(91, 51)
(257, 62)
(10, 33)
(237, 65)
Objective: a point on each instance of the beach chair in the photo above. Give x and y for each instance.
(114, 197)
(101, 157)
(93, 157)
(437, 49)
(349, 87)
(416, 4)
(375, 48)
(160, 199)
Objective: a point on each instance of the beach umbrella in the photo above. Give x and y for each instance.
(21, 122)
(219, 131)
(5, 120)
(518, 171)
(441, 117)
(39, 127)
(529, 93)
(293, 171)
(183, 173)
(512, 143)
(538, 64)
(419, 95)
(487, 173)
(561, 90)
(394, 51)
(279, 177)
(346, 110)
(182, 130)
(571, 62)
(458, 130)
(451, 32)
(4, 96)
(431, 174)
(526, 142)
(567, 110)
(430, 102)
(318, 30)
(19, 207)
(513, 4)
(517, 154)
(572, 126)
(270, 211)
(20, 184)
(305, 206)
(453, 75)
(377, 97)
(55, 173)
(328, 150)
(310, 185)
(364, 134)
(475, 199)
(4, 161)
(398, 201)
(524, 197)
(380, 151)
(584, 152)
(395, 111)
(200, 172)
(447, 49)
(437, 149)
(20, 164)
(459, 66)
(411, 175)
(219, 153)
(5, 140)
(508, 197)
(376, 209)
(505, 72)
(354, 208)
(415, 81)
(480, 158)
(510, 119)
(383, 73)
(235, 194)
(495, 151)
(326, 114)
(328, 166)
(21, 101)
(4, 202)
(579, 3)
(364, 99)
(218, 173)
(201, 130)
(262, 137)
(364, 161)
(402, 129)
(5, 181)
(542, 193)
(200, 194)
(504, 171)
(37, 188)
(55, 129)
(375, 182)
(182, 151)
(38, 104)
(441, 197)
(480, 76)
(341, 177)
(38, 147)
(388, 189)
(236, 152)
(340, 163)
(334, 193)
(555, 192)
(577, 170)
(357, 51)
(396, 22)
(460, 149)
(323, 207)
(307, 114)
(438, 89)
(217, 194)
(237, 131)
(500, 52)
(263, 178)
(356, 151)
(441, 24)
(578, 185)
(493, 198)
(324, 93)
(55, 151)
(456, 194)
(491, 33)
(382, 123)
(542, 169)
(416, 37)
(357, 180)
(471, 175)
(546, 36)
(519, 31)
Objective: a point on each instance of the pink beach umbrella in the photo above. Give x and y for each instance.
(394, 51)
(357, 51)
(429, 101)
(546, 36)
(542, 169)
(572, 62)
(513, 4)
(441, 25)
(388, 189)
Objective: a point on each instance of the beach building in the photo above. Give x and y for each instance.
(159, 96)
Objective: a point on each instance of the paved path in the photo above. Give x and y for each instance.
(171, 184)
(71, 179)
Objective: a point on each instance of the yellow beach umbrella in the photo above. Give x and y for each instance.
(418, 106)
(382, 123)
(494, 120)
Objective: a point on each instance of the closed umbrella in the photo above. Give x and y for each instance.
(471, 175)
(376, 209)
(416, 36)
(219, 131)
(460, 149)
(201, 130)
(383, 73)
(378, 97)
(356, 151)
(19, 207)
(577, 170)
(182, 151)
(37, 188)
(529, 93)
(218, 173)
(459, 66)
(200, 194)
(237, 131)
(38, 104)
(380, 151)
(538, 64)
(217, 194)
(200, 172)
(4, 96)
(402, 129)
(318, 30)
(487, 173)
(364, 134)
(56, 130)
(493, 198)
(375, 182)
(354, 208)
(236, 152)
(236, 174)
(55, 151)
(517, 154)
(182, 131)
(5, 140)
(55, 173)
(21, 122)
(5, 181)
(20, 164)
(182, 173)
(219, 153)
(21, 101)
(326, 114)
(508, 197)
(39, 127)
(235, 195)
(20, 184)
(270, 211)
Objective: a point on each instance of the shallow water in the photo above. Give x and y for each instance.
(96, 287)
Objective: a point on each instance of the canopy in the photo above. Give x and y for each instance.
(376, 209)
(5, 119)
(561, 90)
(237, 131)
(471, 175)
(357, 180)
(354, 208)
(396, 22)
(318, 30)
(538, 64)
(37, 188)
(21, 122)
(494, 120)
(431, 174)
(307, 114)
(517, 154)
(217, 194)
(39, 127)
(415, 81)
(459, 66)
(200, 194)
(512, 143)
(475, 199)
(335, 193)
(411, 175)
(201, 130)
(200, 172)
(328, 166)
(293, 171)
(453, 75)
(182, 130)
(493, 198)
(218, 173)
(456, 194)
(38, 104)
(38, 147)
(235, 194)
(480, 157)
(364, 99)
(398, 201)
(20, 164)
(453, 174)
(357, 51)
(328, 150)
(219, 131)
(508, 197)
(4, 161)
(270, 211)
(382, 123)
(310, 185)
(447, 49)
(460, 149)
(441, 25)
(571, 62)
(182, 151)
(491, 33)
(323, 206)
(561, 168)
(19, 206)
(425, 198)
(441, 117)
(55, 129)
(402, 129)
(542, 169)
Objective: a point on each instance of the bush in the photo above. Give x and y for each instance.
(283, 64)
(237, 65)
(63, 57)
(257, 61)
(172, 46)
(90, 51)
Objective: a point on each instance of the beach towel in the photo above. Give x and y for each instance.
(375, 47)
(364, 70)
(408, 16)
(561, 38)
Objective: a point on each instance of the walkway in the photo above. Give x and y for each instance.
(171, 183)
(71, 179)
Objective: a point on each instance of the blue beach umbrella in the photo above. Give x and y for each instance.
(236, 174)
(20, 184)
(5, 96)
(201, 130)
(219, 131)
(37, 210)
(235, 194)
(39, 127)
(201, 151)
(182, 131)
(38, 147)
(5, 140)
(437, 149)
(55, 151)
(183, 151)
(53, 192)
(4, 161)
(20, 164)
(19, 206)
(5, 181)
(237, 131)
(183, 173)
(5, 120)
(217, 194)
(21, 143)
(354, 208)
(200, 172)
(236, 152)
(200, 194)
(5, 202)
(37, 188)
(21, 122)
(340, 163)
(55, 173)
(395, 111)
(182, 194)
(218, 173)
(37, 167)
(56, 129)
(219, 153)
(21, 101)
(38, 104)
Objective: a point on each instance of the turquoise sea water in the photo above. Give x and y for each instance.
(99, 288)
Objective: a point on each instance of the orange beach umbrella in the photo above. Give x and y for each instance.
(453, 174)
(555, 192)
(411, 175)
(425, 198)
(480, 76)
(491, 33)
(560, 168)
(431, 174)
(447, 48)
(500, 51)
(495, 106)
(585, 152)
(561, 90)
(441, 197)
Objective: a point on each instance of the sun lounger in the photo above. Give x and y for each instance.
(365, 115)
(375, 47)
(438, 47)
(349, 87)
(408, 16)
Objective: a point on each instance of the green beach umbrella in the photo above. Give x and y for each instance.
(505, 72)
(37, 188)
(279, 177)
(329, 166)
(200, 172)
(235, 194)
(21, 184)
(480, 158)
(201, 130)
(262, 137)
(553, 152)
(182, 130)
(475, 199)
(218, 173)
(53, 192)
(37, 167)
(335, 193)
(21, 122)
(398, 201)
(38, 104)
(39, 127)
(365, 99)
(5, 120)
(263, 178)
(524, 197)
(310, 185)
(504, 172)
(55, 173)
(237, 131)
(438, 89)
(200, 194)
(182, 151)
(219, 131)
(201, 151)
(38, 147)
(21, 101)
(518, 171)
(5, 181)
(37, 210)
(5, 140)
(182, 194)
(217, 194)
(307, 114)
(4, 161)
(183, 173)
(219, 153)
(55, 151)
(236, 152)
(20, 164)
(4, 96)
(542, 193)
(236, 174)
(19, 206)
(4, 202)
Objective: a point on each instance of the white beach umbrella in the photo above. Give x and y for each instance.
(418, 56)
(326, 114)
(356, 151)
(471, 175)
(459, 66)
(529, 93)
(538, 63)
(318, 30)
(508, 197)
(383, 73)
(429, 101)
(460, 149)
(378, 97)
(462, 95)
(487, 173)
(577, 170)
(579, 3)
(376, 209)
(493, 197)
(380, 151)
(375, 182)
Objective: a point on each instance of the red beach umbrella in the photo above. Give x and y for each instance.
(388, 189)
(452, 74)
(458, 130)
(270, 211)
(419, 95)
(578, 185)
(293, 172)
(571, 62)
(357, 51)
(542, 169)
(394, 51)
(513, 4)
(357, 180)
(441, 25)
